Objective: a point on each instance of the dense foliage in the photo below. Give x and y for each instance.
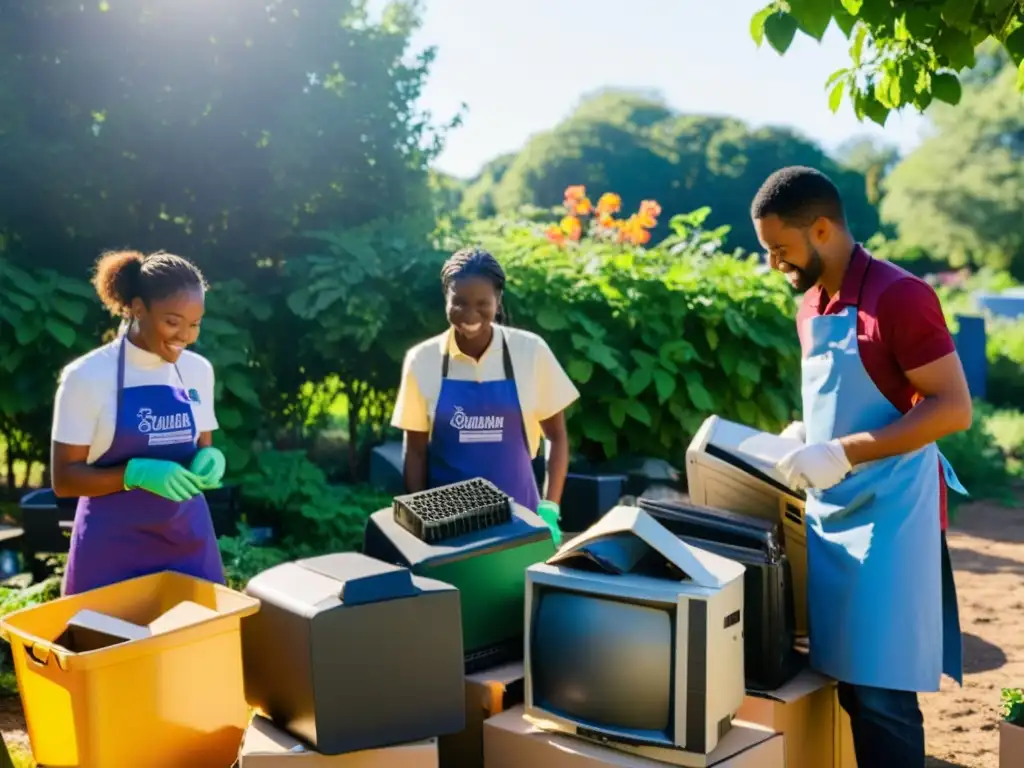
(641, 148)
(42, 312)
(902, 52)
(959, 196)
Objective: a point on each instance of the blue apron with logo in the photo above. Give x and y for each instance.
(881, 599)
(479, 431)
(136, 533)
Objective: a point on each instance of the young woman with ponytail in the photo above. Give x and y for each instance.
(132, 431)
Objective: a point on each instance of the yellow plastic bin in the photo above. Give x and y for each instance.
(169, 700)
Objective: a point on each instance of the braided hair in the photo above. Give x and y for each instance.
(476, 262)
(123, 276)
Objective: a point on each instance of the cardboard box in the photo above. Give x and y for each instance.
(488, 693)
(267, 746)
(92, 631)
(1011, 745)
(806, 711)
(511, 742)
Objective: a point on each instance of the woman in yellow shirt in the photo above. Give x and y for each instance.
(475, 400)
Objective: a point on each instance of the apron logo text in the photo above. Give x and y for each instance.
(478, 429)
(165, 430)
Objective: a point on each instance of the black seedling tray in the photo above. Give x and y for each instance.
(452, 510)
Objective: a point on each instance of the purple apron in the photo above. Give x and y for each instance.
(479, 432)
(136, 533)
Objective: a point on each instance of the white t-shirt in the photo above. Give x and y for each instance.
(543, 386)
(85, 408)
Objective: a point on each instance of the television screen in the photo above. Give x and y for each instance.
(604, 663)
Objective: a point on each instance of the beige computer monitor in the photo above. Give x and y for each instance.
(729, 466)
(706, 606)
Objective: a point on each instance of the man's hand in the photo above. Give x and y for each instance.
(819, 465)
(795, 431)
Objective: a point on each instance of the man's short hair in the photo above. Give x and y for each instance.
(799, 196)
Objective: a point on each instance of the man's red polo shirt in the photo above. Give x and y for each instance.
(900, 327)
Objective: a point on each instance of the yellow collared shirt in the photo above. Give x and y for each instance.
(544, 387)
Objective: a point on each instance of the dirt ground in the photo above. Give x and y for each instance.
(987, 547)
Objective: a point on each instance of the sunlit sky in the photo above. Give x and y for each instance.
(520, 67)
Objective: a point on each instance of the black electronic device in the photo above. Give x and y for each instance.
(770, 625)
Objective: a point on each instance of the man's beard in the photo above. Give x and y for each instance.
(809, 276)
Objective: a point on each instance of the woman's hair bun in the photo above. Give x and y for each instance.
(117, 279)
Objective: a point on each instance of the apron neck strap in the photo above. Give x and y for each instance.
(506, 359)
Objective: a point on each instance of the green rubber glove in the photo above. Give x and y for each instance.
(162, 478)
(550, 513)
(209, 466)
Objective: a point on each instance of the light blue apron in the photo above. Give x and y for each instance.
(881, 599)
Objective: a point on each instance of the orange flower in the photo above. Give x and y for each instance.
(646, 220)
(572, 227)
(605, 219)
(650, 207)
(641, 237)
(609, 203)
(555, 235)
(633, 230)
(582, 207)
(575, 193)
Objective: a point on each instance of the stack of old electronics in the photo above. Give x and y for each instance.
(731, 467)
(351, 657)
(476, 538)
(633, 656)
(770, 659)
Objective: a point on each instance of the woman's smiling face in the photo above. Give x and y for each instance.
(167, 326)
(471, 306)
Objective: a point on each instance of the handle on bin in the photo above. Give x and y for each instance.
(40, 652)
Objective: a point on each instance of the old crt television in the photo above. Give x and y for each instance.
(634, 638)
(478, 540)
(731, 466)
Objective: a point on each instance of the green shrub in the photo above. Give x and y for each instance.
(656, 339)
(1005, 351)
(288, 492)
(1007, 428)
(979, 461)
(1012, 708)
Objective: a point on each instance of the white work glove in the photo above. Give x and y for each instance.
(819, 465)
(795, 431)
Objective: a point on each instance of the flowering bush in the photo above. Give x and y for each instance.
(600, 219)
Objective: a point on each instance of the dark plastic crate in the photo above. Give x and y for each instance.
(453, 510)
